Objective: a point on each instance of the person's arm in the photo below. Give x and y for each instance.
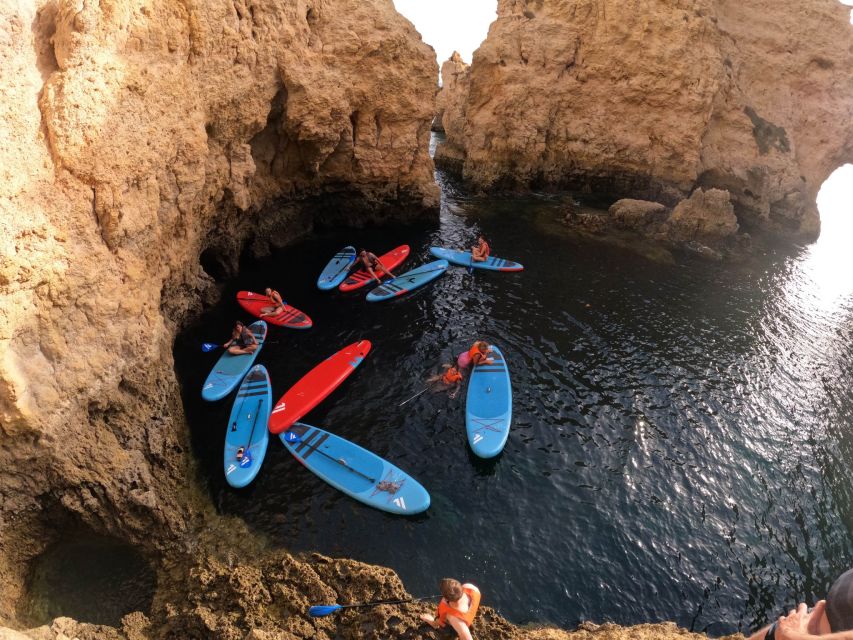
(430, 620)
(384, 270)
(460, 627)
(802, 624)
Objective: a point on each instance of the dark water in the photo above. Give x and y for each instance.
(91, 579)
(681, 441)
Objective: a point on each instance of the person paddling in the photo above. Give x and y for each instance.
(371, 263)
(481, 252)
(242, 341)
(277, 303)
(457, 607)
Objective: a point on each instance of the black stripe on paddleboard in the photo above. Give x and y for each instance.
(382, 291)
(252, 386)
(489, 369)
(314, 447)
(252, 393)
(255, 376)
(307, 440)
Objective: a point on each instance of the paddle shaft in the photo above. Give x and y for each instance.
(343, 464)
(379, 602)
(414, 396)
(254, 422)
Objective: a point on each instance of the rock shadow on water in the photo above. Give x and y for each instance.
(89, 578)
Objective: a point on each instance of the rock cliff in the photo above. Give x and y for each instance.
(652, 99)
(143, 145)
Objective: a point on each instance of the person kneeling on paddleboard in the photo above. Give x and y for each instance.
(242, 341)
(370, 263)
(277, 303)
(481, 252)
(457, 607)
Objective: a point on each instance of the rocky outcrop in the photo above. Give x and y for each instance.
(143, 145)
(453, 71)
(651, 99)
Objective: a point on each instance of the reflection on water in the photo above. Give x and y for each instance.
(681, 439)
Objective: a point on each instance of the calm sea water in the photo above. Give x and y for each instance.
(681, 443)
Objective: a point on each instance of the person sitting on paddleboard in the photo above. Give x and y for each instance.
(480, 253)
(479, 353)
(277, 303)
(370, 263)
(242, 341)
(450, 378)
(457, 607)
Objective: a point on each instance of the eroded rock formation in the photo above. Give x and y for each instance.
(136, 138)
(651, 99)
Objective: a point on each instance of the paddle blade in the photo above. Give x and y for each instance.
(321, 610)
(209, 346)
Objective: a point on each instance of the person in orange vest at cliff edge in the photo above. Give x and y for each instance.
(457, 607)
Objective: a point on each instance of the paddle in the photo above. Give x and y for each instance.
(414, 396)
(207, 347)
(254, 422)
(295, 439)
(321, 610)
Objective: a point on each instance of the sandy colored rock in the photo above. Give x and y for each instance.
(651, 99)
(707, 216)
(640, 215)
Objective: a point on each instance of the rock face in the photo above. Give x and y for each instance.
(143, 144)
(651, 99)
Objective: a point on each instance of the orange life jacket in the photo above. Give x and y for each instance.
(468, 617)
(475, 351)
(451, 376)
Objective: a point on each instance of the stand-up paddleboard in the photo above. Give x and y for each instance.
(230, 369)
(337, 269)
(289, 317)
(464, 259)
(408, 281)
(316, 385)
(391, 260)
(247, 428)
(356, 471)
(488, 408)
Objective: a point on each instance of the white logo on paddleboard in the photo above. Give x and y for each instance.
(279, 407)
(400, 503)
(231, 468)
(208, 385)
(477, 438)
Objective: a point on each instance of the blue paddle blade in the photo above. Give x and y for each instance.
(292, 438)
(320, 610)
(209, 346)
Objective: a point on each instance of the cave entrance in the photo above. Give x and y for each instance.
(835, 204)
(89, 578)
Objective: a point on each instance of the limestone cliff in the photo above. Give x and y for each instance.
(653, 98)
(140, 141)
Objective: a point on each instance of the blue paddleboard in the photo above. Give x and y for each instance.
(247, 428)
(464, 259)
(408, 281)
(337, 269)
(357, 472)
(230, 369)
(488, 408)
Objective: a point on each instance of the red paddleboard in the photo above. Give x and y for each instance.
(361, 277)
(316, 385)
(290, 317)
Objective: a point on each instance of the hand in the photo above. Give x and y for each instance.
(453, 394)
(795, 625)
(815, 618)
(430, 620)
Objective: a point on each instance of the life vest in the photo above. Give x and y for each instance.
(475, 351)
(468, 617)
(451, 378)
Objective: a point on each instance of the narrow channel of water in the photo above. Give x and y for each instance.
(681, 441)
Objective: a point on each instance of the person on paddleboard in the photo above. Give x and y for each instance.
(450, 378)
(481, 252)
(242, 341)
(457, 607)
(371, 263)
(832, 617)
(277, 303)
